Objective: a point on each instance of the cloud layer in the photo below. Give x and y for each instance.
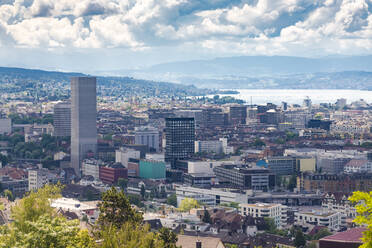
(292, 27)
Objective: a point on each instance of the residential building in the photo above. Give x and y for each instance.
(343, 205)
(180, 138)
(345, 183)
(124, 154)
(83, 120)
(332, 220)
(151, 169)
(277, 212)
(148, 136)
(62, 119)
(90, 167)
(186, 241)
(37, 179)
(18, 187)
(351, 238)
(358, 166)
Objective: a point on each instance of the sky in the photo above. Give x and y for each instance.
(103, 35)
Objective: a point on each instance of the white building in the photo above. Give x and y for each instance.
(349, 128)
(90, 167)
(147, 136)
(358, 166)
(277, 212)
(209, 146)
(344, 206)
(5, 126)
(219, 195)
(37, 179)
(332, 220)
(124, 154)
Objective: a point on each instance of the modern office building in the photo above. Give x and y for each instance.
(281, 165)
(180, 138)
(247, 178)
(238, 115)
(151, 169)
(62, 119)
(148, 136)
(83, 120)
(111, 174)
(209, 146)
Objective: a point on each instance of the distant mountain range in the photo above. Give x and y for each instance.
(337, 72)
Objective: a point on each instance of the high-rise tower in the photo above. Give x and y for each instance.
(83, 120)
(62, 119)
(180, 138)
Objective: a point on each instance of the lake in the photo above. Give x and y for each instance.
(263, 96)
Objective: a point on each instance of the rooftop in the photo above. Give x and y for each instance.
(352, 235)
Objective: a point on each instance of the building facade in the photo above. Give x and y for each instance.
(151, 169)
(247, 178)
(37, 179)
(62, 119)
(180, 138)
(332, 220)
(148, 136)
(277, 212)
(83, 120)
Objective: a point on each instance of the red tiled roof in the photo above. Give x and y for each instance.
(356, 162)
(352, 235)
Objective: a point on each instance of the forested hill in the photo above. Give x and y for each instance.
(55, 84)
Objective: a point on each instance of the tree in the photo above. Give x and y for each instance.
(136, 200)
(258, 143)
(207, 217)
(130, 235)
(270, 226)
(168, 237)
(37, 225)
(299, 240)
(36, 204)
(46, 231)
(172, 200)
(123, 183)
(324, 232)
(143, 191)
(292, 182)
(187, 204)
(8, 194)
(363, 201)
(116, 210)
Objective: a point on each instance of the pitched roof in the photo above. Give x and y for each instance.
(356, 162)
(190, 241)
(353, 235)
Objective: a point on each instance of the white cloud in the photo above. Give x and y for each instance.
(266, 27)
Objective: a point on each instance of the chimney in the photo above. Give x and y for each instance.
(198, 244)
